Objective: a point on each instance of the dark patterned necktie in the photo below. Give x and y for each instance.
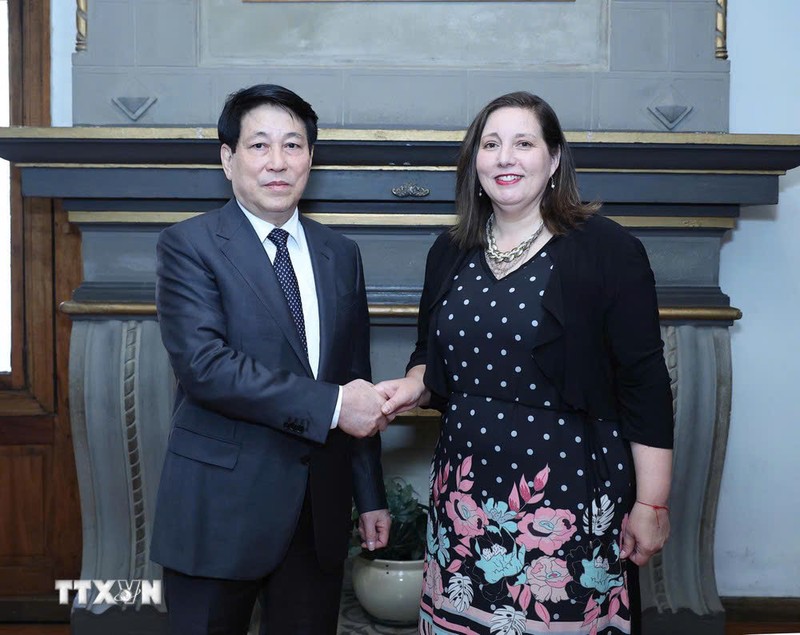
(288, 280)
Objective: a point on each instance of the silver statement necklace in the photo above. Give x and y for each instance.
(501, 262)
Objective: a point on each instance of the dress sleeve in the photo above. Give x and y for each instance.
(441, 259)
(432, 283)
(642, 383)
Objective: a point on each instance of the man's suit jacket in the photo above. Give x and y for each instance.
(251, 425)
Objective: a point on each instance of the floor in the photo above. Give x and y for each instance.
(752, 628)
(354, 621)
(352, 625)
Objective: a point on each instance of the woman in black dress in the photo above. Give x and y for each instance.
(539, 341)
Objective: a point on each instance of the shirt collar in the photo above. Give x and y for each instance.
(263, 228)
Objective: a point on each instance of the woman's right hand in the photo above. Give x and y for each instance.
(645, 533)
(404, 394)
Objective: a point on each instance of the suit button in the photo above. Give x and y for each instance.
(305, 460)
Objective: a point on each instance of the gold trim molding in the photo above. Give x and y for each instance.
(374, 168)
(100, 133)
(71, 307)
(700, 313)
(259, 1)
(81, 25)
(391, 220)
(721, 31)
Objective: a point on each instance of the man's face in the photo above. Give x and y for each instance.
(270, 166)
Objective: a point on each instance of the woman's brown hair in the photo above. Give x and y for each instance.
(561, 207)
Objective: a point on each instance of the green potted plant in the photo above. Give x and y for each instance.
(387, 582)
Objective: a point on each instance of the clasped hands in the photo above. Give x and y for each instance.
(368, 408)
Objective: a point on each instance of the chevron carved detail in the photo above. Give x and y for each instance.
(133, 107)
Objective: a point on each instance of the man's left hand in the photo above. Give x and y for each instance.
(374, 529)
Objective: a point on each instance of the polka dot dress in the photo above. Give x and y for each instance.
(515, 544)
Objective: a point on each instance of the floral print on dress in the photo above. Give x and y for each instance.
(525, 505)
(547, 578)
(468, 519)
(513, 545)
(546, 529)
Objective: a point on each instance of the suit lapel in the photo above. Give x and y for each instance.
(241, 246)
(322, 261)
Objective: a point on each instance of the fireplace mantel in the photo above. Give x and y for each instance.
(392, 192)
(372, 181)
(592, 150)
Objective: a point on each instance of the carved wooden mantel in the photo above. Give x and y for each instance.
(392, 191)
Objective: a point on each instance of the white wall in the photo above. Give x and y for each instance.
(758, 527)
(63, 32)
(5, 217)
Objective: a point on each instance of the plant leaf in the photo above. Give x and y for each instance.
(466, 485)
(461, 550)
(466, 466)
(602, 515)
(542, 612)
(507, 621)
(591, 615)
(524, 490)
(541, 478)
(525, 598)
(613, 608)
(460, 592)
(454, 566)
(513, 499)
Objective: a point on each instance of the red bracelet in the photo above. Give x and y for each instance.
(655, 510)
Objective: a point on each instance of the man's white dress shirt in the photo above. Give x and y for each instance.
(301, 263)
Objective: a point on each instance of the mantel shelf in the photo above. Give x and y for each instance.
(112, 147)
(393, 190)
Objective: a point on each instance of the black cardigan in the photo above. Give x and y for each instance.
(598, 341)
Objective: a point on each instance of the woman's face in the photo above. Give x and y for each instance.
(513, 162)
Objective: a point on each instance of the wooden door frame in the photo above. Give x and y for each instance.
(34, 413)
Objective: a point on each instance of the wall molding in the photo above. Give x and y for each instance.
(387, 220)
(78, 309)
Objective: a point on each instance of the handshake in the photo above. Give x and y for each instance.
(367, 409)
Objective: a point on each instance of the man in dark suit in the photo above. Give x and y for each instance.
(275, 426)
